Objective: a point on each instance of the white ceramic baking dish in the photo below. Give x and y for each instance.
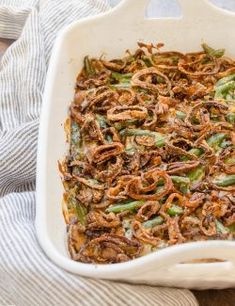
(111, 34)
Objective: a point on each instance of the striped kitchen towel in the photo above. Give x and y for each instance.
(27, 277)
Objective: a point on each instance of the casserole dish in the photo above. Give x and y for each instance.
(197, 24)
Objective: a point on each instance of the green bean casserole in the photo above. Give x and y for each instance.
(151, 160)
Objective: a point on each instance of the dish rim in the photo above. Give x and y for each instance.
(89, 269)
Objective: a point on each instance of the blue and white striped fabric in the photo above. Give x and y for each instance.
(27, 277)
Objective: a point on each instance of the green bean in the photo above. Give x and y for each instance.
(226, 181)
(147, 60)
(230, 117)
(75, 133)
(109, 138)
(102, 122)
(215, 140)
(196, 151)
(93, 182)
(161, 59)
(131, 121)
(159, 138)
(175, 59)
(213, 52)
(125, 206)
(145, 91)
(127, 228)
(75, 140)
(232, 228)
(163, 199)
(175, 210)
(160, 79)
(230, 160)
(180, 115)
(122, 78)
(229, 97)
(225, 80)
(225, 143)
(196, 174)
(81, 212)
(181, 182)
(220, 228)
(180, 179)
(222, 91)
(224, 87)
(119, 125)
(130, 150)
(120, 85)
(89, 69)
(153, 222)
(79, 208)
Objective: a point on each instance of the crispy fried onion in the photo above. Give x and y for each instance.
(93, 81)
(118, 192)
(111, 170)
(98, 220)
(174, 198)
(150, 159)
(111, 131)
(132, 162)
(217, 209)
(147, 141)
(179, 146)
(153, 80)
(91, 129)
(182, 167)
(115, 65)
(64, 170)
(109, 248)
(195, 200)
(190, 227)
(196, 65)
(227, 161)
(146, 211)
(162, 107)
(207, 225)
(144, 187)
(120, 113)
(90, 183)
(87, 195)
(174, 232)
(229, 216)
(103, 98)
(107, 151)
(127, 96)
(75, 113)
(144, 98)
(201, 113)
(151, 121)
(143, 234)
(167, 60)
(227, 67)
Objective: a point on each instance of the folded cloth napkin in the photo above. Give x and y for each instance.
(27, 277)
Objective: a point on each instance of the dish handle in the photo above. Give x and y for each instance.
(133, 9)
(210, 261)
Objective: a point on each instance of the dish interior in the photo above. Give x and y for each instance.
(71, 47)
